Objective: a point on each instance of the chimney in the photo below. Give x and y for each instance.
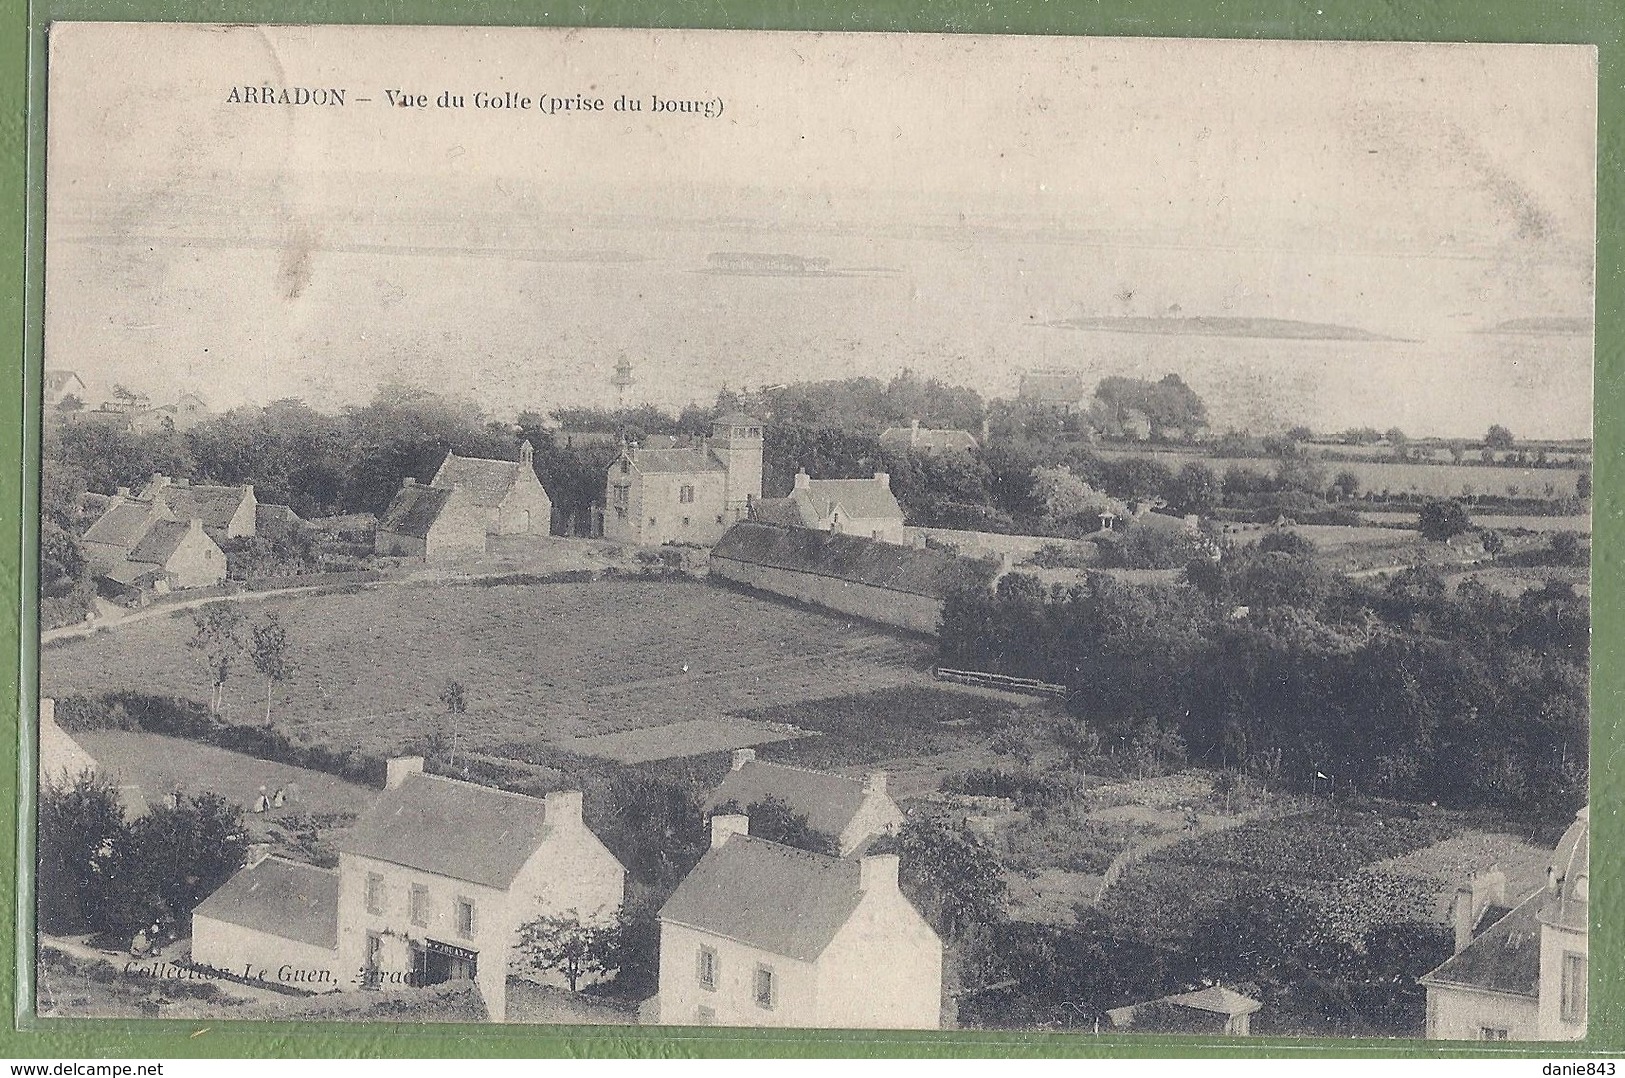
(984, 431)
(257, 852)
(875, 783)
(919, 537)
(47, 710)
(884, 479)
(803, 480)
(742, 757)
(159, 480)
(123, 492)
(726, 825)
(1461, 916)
(1489, 889)
(563, 807)
(878, 872)
(397, 768)
(248, 490)
(408, 483)
(914, 432)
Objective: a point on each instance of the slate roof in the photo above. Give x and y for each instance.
(866, 498)
(828, 801)
(57, 381)
(213, 505)
(283, 898)
(160, 543)
(460, 830)
(122, 524)
(686, 461)
(484, 482)
(1217, 1000)
(791, 512)
(414, 510)
(931, 573)
(131, 574)
(783, 900)
(1503, 958)
(925, 438)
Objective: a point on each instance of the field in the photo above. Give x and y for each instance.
(1390, 477)
(539, 663)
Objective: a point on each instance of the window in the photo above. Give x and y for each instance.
(1574, 987)
(626, 467)
(375, 893)
(719, 518)
(1489, 1033)
(420, 905)
(705, 1016)
(651, 522)
(465, 918)
(707, 969)
(685, 522)
(620, 494)
(766, 988)
(685, 494)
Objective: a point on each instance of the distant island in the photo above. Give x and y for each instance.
(1215, 326)
(1560, 326)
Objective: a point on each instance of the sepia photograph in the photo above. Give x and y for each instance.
(816, 530)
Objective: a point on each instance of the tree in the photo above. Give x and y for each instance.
(218, 641)
(1441, 519)
(268, 650)
(1492, 541)
(81, 823)
(456, 704)
(1568, 548)
(567, 945)
(773, 819)
(955, 880)
(1582, 484)
(1196, 489)
(62, 566)
(190, 850)
(1498, 437)
(1346, 486)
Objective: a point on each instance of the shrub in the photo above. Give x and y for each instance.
(1441, 519)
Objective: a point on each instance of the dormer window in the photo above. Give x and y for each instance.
(685, 494)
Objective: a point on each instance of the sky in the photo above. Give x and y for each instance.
(1331, 234)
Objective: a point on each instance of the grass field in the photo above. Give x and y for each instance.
(1379, 476)
(539, 663)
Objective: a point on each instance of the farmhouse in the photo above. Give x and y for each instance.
(468, 500)
(1060, 391)
(849, 506)
(139, 544)
(1519, 974)
(927, 442)
(685, 495)
(433, 884)
(227, 512)
(894, 585)
(761, 934)
(852, 811)
(275, 919)
(58, 386)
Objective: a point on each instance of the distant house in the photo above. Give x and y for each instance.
(1519, 973)
(927, 442)
(139, 544)
(276, 521)
(863, 507)
(433, 884)
(62, 760)
(58, 386)
(1060, 391)
(851, 811)
(690, 494)
(895, 585)
(469, 500)
(761, 934)
(227, 512)
(1215, 1010)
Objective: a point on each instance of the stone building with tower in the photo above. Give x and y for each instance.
(690, 494)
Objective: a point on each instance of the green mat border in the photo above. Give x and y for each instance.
(1598, 22)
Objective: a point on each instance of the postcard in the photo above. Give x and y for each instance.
(834, 531)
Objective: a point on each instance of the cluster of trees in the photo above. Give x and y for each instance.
(223, 638)
(1268, 662)
(101, 873)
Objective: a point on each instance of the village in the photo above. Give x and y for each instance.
(751, 722)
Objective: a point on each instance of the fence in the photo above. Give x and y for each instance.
(1031, 686)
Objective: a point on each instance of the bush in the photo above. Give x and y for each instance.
(1441, 519)
(1025, 787)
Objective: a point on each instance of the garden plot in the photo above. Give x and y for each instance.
(692, 738)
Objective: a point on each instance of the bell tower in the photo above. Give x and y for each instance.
(736, 439)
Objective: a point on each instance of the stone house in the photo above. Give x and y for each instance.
(274, 919)
(689, 494)
(1060, 391)
(852, 811)
(761, 934)
(140, 545)
(1519, 974)
(433, 884)
(927, 442)
(863, 507)
(469, 500)
(227, 512)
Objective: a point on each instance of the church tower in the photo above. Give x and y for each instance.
(622, 381)
(736, 439)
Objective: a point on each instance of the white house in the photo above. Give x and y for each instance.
(468, 500)
(862, 507)
(761, 934)
(433, 884)
(852, 811)
(276, 921)
(1521, 973)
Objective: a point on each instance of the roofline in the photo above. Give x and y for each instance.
(664, 920)
(1428, 980)
(803, 770)
(504, 889)
(827, 576)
